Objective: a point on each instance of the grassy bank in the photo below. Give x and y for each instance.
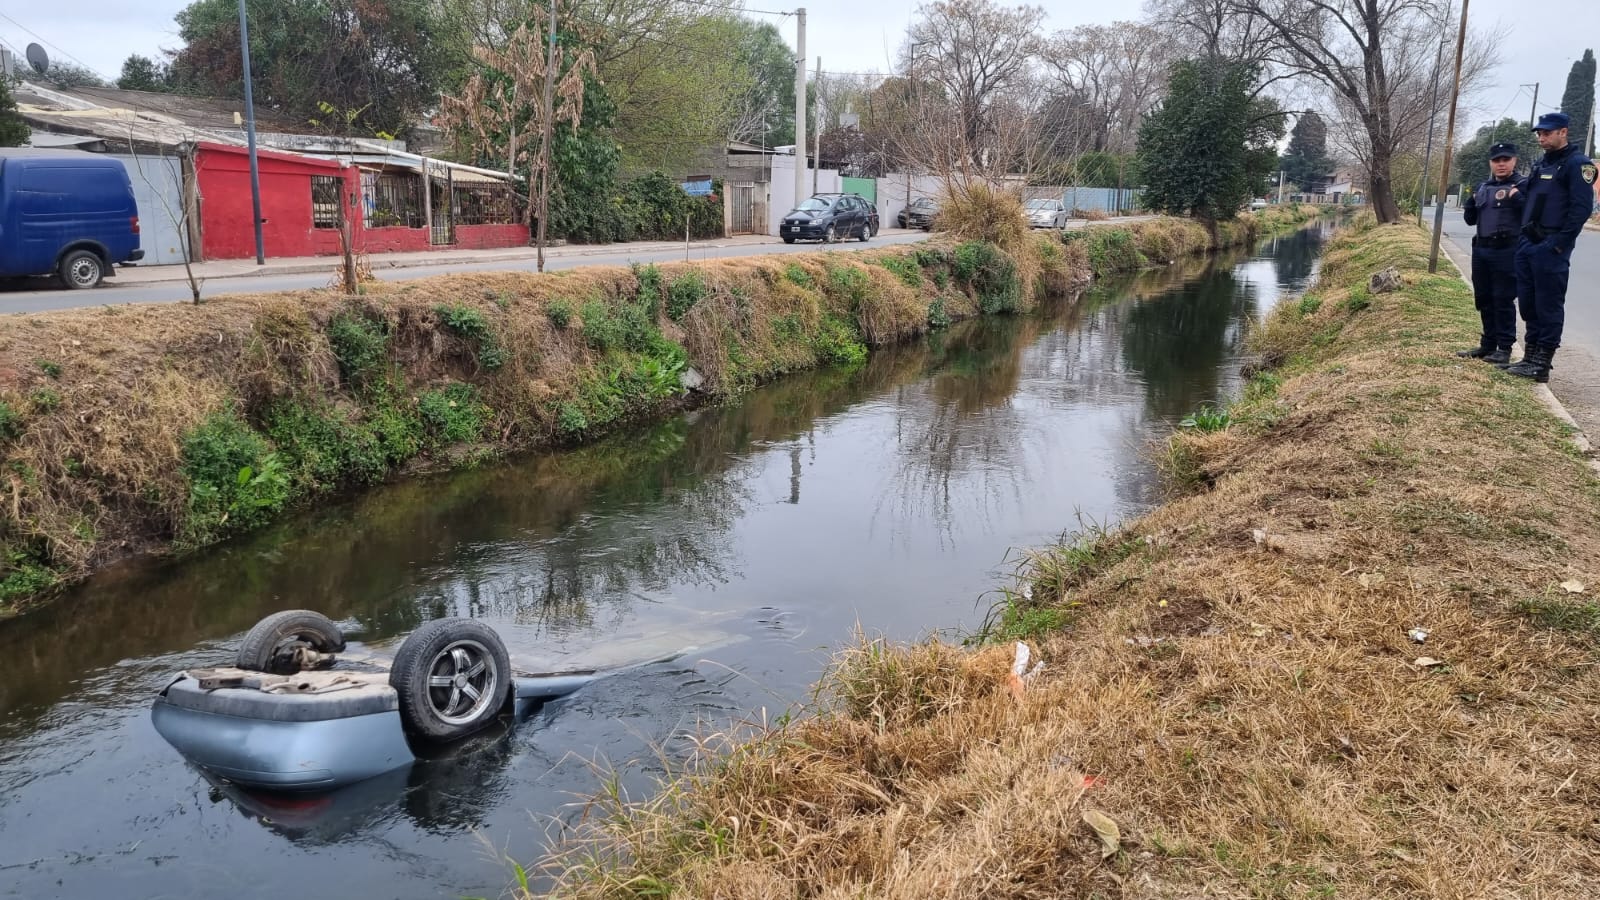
(139, 429)
(1230, 703)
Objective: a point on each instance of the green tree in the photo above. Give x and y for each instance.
(1195, 147)
(141, 73)
(1578, 99)
(13, 131)
(67, 75)
(380, 65)
(1306, 161)
(1472, 160)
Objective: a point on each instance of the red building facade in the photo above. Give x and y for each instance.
(300, 208)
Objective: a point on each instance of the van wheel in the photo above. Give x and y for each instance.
(276, 643)
(82, 269)
(452, 675)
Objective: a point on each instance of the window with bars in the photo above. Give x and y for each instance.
(325, 201)
(484, 204)
(392, 200)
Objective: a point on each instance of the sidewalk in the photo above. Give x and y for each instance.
(301, 265)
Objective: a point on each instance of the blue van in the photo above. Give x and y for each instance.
(66, 212)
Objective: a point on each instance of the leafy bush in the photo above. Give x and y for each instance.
(560, 313)
(650, 287)
(11, 424)
(324, 449)
(626, 327)
(454, 414)
(45, 399)
(1207, 419)
(849, 282)
(839, 343)
(937, 316)
(905, 269)
(1110, 250)
(685, 292)
(236, 481)
(360, 344)
(1309, 305)
(992, 275)
(28, 571)
(471, 324)
(52, 369)
(796, 275)
(570, 419)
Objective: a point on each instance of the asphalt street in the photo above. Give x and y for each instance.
(30, 298)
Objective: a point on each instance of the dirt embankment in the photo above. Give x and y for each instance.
(1355, 655)
(137, 429)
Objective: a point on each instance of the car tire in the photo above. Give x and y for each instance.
(82, 269)
(788, 240)
(866, 232)
(830, 236)
(453, 676)
(272, 645)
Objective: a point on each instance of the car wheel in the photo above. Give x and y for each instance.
(277, 643)
(82, 269)
(866, 232)
(788, 240)
(452, 675)
(830, 235)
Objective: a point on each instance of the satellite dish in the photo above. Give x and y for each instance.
(39, 59)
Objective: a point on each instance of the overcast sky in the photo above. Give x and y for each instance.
(1543, 41)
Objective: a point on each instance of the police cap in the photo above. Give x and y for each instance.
(1502, 150)
(1554, 121)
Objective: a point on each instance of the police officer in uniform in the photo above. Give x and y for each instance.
(1560, 195)
(1495, 207)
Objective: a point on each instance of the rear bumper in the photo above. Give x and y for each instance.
(285, 755)
(136, 255)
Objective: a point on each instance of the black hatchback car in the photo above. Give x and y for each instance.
(829, 218)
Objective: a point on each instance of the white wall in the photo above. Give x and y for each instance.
(895, 191)
(781, 196)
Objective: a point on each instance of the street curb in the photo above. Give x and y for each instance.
(1542, 391)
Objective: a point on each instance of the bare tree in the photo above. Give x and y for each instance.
(1115, 73)
(179, 215)
(1374, 57)
(979, 53)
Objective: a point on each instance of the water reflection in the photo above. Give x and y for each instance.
(714, 554)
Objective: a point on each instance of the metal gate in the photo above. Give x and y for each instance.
(746, 210)
(442, 196)
(158, 191)
(865, 187)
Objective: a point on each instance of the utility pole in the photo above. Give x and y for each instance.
(816, 166)
(250, 133)
(1449, 142)
(800, 106)
(549, 133)
(1433, 110)
(1533, 113)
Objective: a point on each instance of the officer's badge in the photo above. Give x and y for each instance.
(1588, 173)
(1500, 194)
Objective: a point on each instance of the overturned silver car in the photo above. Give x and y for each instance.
(293, 714)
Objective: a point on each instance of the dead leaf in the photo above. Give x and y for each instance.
(1110, 835)
(1259, 535)
(1258, 630)
(1370, 579)
(1428, 662)
(1573, 586)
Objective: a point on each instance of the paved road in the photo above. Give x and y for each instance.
(14, 301)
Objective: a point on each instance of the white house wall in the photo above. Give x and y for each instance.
(157, 188)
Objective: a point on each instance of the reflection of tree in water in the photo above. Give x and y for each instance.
(961, 424)
(1179, 340)
(1295, 256)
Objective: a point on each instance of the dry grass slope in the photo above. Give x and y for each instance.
(1228, 679)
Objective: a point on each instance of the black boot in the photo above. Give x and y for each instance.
(1484, 348)
(1500, 357)
(1535, 364)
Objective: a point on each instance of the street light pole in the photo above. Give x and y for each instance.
(1449, 143)
(250, 133)
(1433, 111)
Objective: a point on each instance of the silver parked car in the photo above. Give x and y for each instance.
(1046, 214)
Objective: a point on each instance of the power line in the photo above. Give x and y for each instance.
(41, 38)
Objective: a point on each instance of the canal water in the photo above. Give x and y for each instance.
(716, 558)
